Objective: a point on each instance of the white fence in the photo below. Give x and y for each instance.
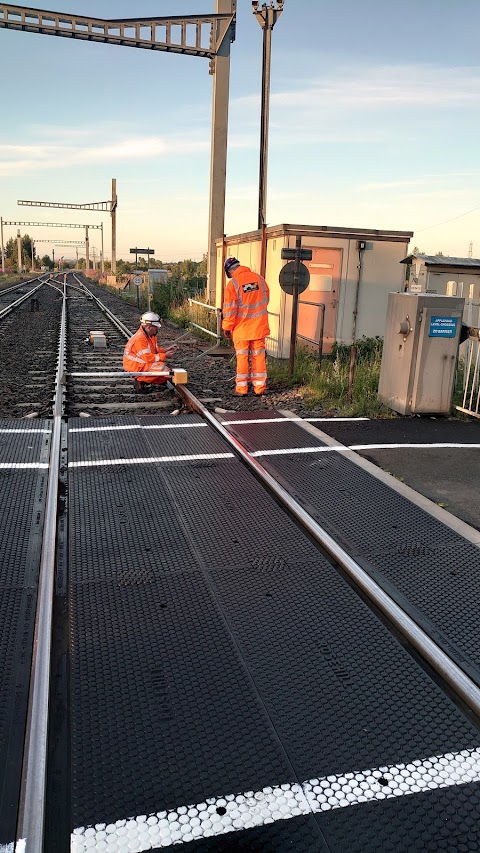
(471, 360)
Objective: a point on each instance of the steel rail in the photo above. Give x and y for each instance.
(23, 298)
(452, 674)
(31, 818)
(20, 284)
(118, 323)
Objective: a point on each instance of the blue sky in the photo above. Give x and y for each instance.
(374, 122)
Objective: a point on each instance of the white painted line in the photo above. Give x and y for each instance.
(260, 421)
(332, 420)
(16, 465)
(284, 451)
(175, 426)
(288, 420)
(10, 431)
(431, 446)
(7, 848)
(237, 812)
(150, 460)
(135, 426)
(105, 428)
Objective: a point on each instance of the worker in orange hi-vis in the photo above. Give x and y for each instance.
(142, 352)
(245, 321)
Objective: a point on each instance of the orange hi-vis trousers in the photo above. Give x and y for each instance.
(257, 372)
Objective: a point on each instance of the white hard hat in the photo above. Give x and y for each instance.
(150, 317)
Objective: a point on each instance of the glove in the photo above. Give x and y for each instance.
(227, 334)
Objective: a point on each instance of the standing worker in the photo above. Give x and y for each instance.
(142, 352)
(245, 321)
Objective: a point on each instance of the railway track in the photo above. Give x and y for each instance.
(28, 384)
(449, 686)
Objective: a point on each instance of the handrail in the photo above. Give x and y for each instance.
(218, 334)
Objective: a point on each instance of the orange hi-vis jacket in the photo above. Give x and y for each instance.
(245, 306)
(143, 353)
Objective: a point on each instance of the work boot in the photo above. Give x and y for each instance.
(141, 387)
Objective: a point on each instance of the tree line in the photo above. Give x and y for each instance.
(193, 274)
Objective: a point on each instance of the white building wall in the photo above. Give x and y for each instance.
(382, 273)
(454, 283)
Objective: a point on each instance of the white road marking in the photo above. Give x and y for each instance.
(284, 451)
(331, 420)
(16, 465)
(433, 445)
(326, 448)
(150, 460)
(289, 420)
(237, 812)
(10, 431)
(135, 426)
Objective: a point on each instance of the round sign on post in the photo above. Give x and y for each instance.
(137, 280)
(286, 277)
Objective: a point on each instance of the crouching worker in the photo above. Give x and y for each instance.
(142, 353)
(245, 320)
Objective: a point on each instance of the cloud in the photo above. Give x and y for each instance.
(358, 105)
(18, 159)
(425, 181)
(381, 87)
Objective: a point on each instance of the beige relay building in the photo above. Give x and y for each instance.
(337, 286)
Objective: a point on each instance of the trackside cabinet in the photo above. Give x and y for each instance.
(420, 352)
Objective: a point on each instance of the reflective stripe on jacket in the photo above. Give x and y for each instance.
(142, 353)
(245, 305)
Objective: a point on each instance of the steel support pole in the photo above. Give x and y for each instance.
(19, 251)
(3, 247)
(218, 163)
(102, 269)
(353, 348)
(267, 19)
(87, 249)
(77, 258)
(114, 226)
(262, 183)
(33, 255)
(293, 333)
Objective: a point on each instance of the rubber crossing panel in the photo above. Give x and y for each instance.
(238, 695)
(22, 500)
(428, 568)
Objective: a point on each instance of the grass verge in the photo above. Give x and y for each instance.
(325, 386)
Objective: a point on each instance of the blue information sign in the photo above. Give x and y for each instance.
(443, 327)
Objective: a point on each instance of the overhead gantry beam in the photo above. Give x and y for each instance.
(52, 225)
(192, 35)
(101, 206)
(109, 206)
(208, 36)
(55, 225)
